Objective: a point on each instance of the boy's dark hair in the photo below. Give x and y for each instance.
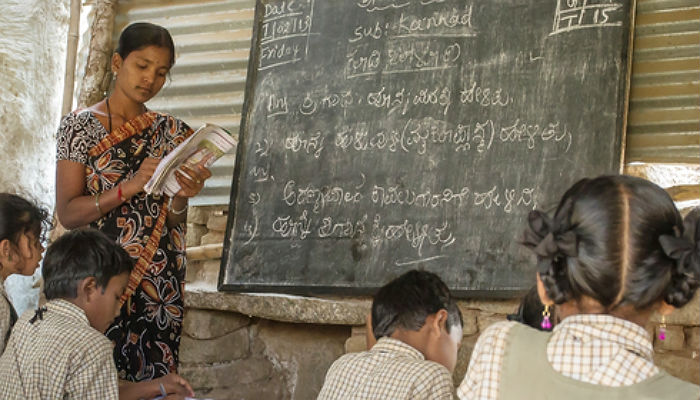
(408, 300)
(80, 254)
(19, 216)
(619, 240)
(143, 34)
(530, 311)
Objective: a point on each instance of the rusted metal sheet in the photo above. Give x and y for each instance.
(664, 115)
(212, 39)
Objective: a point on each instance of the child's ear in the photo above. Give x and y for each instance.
(5, 248)
(439, 322)
(88, 288)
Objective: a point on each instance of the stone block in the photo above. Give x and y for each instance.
(204, 272)
(680, 365)
(210, 324)
(485, 319)
(217, 221)
(194, 234)
(282, 307)
(358, 339)
(675, 339)
(240, 372)
(469, 317)
(193, 269)
(213, 237)
(230, 347)
(302, 354)
(493, 306)
(692, 338)
(356, 344)
(198, 215)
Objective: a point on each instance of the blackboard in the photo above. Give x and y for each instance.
(384, 135)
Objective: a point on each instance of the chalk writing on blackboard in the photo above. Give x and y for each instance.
(285, 32)
(381, 135)
(579, 14)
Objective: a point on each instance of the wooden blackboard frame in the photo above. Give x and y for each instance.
(308, 289)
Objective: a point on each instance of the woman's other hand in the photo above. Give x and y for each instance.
(191, 179)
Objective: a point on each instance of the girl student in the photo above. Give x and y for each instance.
(105, 155)
(23, 225)
(614, 252)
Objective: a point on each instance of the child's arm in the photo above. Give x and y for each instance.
(173, 384)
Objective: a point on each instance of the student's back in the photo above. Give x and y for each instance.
(390, 370)
(54, 353)
(418, 327)
(614, 252)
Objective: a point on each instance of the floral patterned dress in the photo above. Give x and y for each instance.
(146, 334)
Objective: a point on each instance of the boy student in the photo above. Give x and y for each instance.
(418, 329)
(60, 351)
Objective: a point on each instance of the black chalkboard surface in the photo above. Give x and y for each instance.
(384, 135)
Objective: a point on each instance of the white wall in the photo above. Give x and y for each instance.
(32, 61)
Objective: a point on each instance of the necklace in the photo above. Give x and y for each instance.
(109, 113)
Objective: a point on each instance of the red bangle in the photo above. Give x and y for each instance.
(120, 194)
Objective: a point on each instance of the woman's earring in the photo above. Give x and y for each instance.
(546, 323)
(662, 328)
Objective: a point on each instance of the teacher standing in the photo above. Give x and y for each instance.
(105, 155)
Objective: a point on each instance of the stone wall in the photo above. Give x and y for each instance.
(32, 64)
(267, 346)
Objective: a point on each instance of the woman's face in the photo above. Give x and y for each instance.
(142, 74)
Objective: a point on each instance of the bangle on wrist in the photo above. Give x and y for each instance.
(174, 211)
(120, 193)
(97, 204)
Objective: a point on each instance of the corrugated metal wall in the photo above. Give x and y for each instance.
(212, 39)
(664, 115)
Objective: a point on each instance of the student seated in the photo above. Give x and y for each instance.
(22, 228)
(614, 252)
(418, 329)
(59, 351)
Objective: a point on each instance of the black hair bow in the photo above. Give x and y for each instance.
(683, 247)
(548, 237)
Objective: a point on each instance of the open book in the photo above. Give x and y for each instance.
(208, 143)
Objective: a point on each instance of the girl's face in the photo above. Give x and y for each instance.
(25, 256)
(32, 251)
(142, 74)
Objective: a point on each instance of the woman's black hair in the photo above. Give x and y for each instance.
(19, 216)
(405, 303)
(80, 254)
(619, 240)
(143, 34)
